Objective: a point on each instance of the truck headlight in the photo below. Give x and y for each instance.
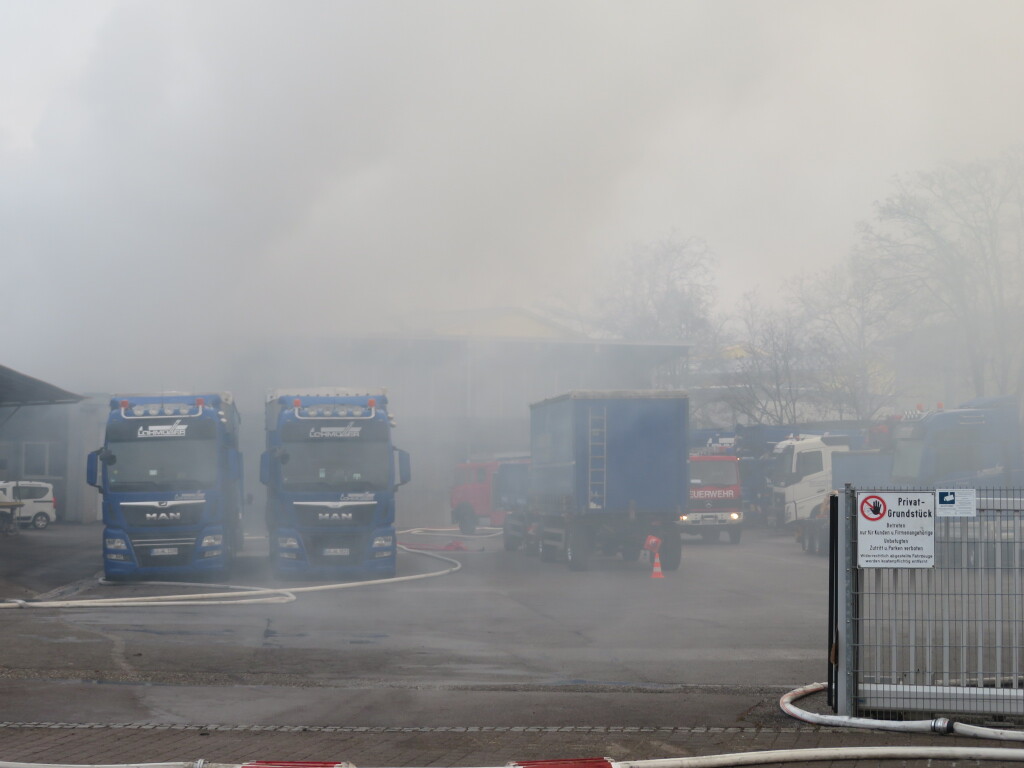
(383, 541)
(683, 518)
(213, 541)
(115, 544)
(735, 516)
(288, 542)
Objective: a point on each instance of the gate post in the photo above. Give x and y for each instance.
(845, 600)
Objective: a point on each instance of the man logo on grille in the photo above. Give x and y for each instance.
(873, 508)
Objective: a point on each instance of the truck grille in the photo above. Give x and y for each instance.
(163, 553)
(709, 505)
(311, 516)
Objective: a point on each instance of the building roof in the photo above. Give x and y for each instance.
(19, 389)
(491, 323)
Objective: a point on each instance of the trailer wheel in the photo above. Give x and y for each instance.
(466, 518)
(631, 552)
(577, 548)
(670, 553)
(510, 541)
(548, 552)
(810, 540)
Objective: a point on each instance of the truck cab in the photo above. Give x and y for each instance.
(170, 474)
(487, 491)
(716, 499)
(331, 471)
(802, 475)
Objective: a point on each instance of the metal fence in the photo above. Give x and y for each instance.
(943, 639)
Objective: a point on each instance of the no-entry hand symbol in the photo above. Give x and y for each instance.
(873, 508)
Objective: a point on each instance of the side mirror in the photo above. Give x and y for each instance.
(265, 468)
(404, 467)
(92, 468)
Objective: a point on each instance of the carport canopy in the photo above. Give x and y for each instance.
(17, 389)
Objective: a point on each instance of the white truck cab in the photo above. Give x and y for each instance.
(802, 475)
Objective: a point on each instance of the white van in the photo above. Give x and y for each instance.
(39, 507)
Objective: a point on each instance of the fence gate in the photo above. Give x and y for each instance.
(926, 609)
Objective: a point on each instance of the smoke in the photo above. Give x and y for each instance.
(179, 180)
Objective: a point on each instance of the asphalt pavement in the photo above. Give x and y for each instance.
(71, 552)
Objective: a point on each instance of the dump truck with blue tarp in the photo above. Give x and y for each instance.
(608, 474)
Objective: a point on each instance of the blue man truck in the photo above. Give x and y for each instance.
(608, 470)
(331, 472)
(170, 474)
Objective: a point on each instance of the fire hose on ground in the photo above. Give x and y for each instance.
(938, 725)
(238, 595)
(822, 754)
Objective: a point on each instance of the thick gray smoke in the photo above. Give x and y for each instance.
(178, 179)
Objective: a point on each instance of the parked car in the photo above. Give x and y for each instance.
(39, 507)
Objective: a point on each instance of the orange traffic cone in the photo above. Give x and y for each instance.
(656, 573)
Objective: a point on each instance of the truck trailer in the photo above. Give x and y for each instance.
(609, 470)
(170, 474)
(331, 472)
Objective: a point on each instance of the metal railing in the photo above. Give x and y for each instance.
(937, 640)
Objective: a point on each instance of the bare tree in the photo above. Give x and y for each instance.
(948, 247)
(847, 331)
(662, 292)
(770, 378)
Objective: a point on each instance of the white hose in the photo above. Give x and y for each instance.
(938, 725)
(250, 595)
(454, 532)
(822, 754)
(189, 764)
(825, 754)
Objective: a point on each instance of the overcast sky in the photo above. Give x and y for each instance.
(176, 172)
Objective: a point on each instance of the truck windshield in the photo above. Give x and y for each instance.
(714, 473)
(782, 466)
(162, 465)
(340, 465)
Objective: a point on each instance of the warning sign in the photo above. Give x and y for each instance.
(895, 530)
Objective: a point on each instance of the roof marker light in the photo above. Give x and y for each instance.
(125, 404)
(372, 403)
(200, 401)
(297, 402)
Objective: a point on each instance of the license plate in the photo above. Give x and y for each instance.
(710, 518)
(157, 551)
(335, 551)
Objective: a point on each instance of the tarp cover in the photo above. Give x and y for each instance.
(19, 389)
